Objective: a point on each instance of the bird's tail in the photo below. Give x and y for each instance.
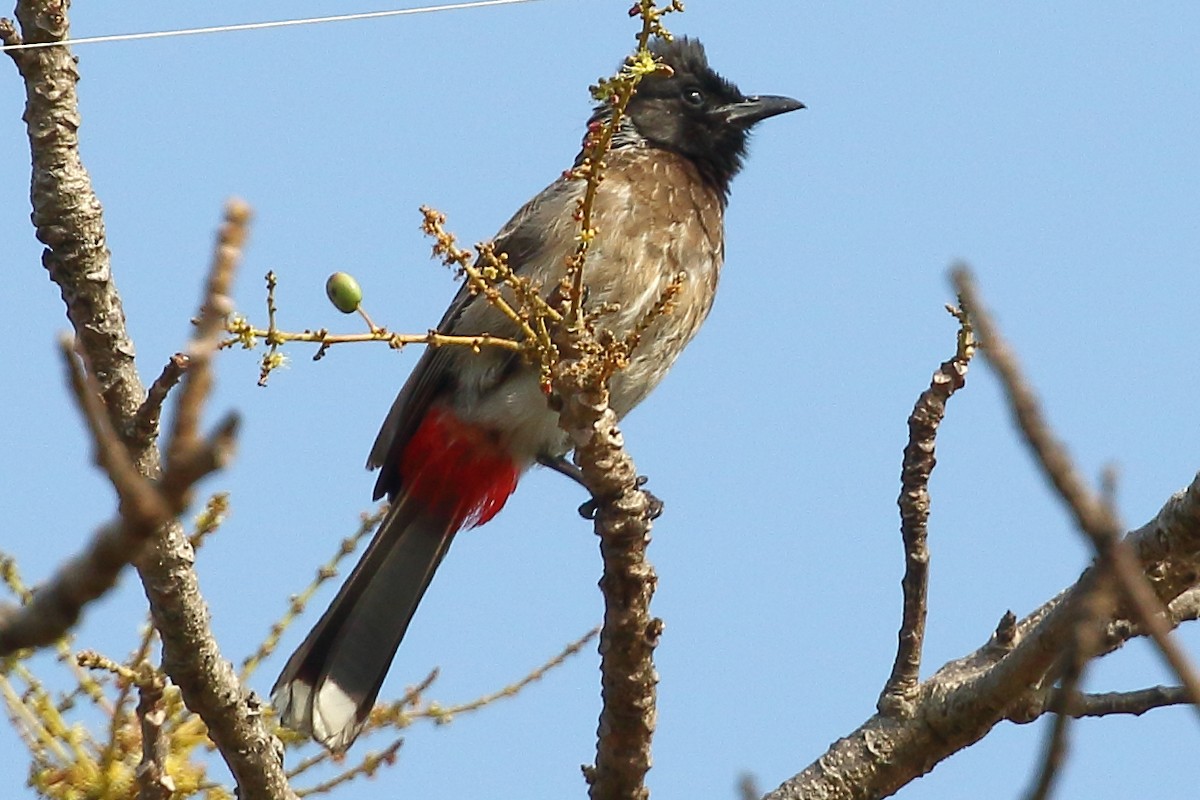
(330, 683)
(452, 476)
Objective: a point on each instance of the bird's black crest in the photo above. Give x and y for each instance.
(686, 57)
(688, 112)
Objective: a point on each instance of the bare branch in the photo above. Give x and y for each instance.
(1093, 515)
(68, 220)
(1135, 703)
(629, 633)
(901, 687)
(66, 212)
(145, 423)
(56, 605)
(191, 656)
(1085, 643)
(153, 781)
(963, 700)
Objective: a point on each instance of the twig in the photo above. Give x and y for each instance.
(153, 781)
(617, 92)
(119, 710)
(1094, 607)
(748, 787)
(446, 714)
(243, 332)
(1093, 516)
(901, 687)
(367, 767)
(145, 423)
(56, 606)
(1106, 704)
(209, 520)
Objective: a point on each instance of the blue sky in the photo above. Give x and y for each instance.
(1053, 146)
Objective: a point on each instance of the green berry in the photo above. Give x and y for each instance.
(343, 291)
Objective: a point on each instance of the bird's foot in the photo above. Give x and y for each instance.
(654, 506)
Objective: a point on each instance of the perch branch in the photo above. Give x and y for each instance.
(629, 633)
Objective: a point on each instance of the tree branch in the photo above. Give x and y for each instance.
(1136, 702)
(901, 687)
(68, 220)
(1092, 513)
(56, 605)
(191, 656)
(629, 633)
(153, 781)
(963, 700)
(145, 423)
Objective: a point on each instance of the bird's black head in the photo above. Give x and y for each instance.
(696, 113)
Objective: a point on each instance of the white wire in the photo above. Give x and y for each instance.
(254, 26)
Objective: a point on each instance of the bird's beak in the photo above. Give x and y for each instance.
(756, 109)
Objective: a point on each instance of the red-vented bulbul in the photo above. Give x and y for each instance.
(467, 424)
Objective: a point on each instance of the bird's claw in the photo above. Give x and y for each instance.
(654, 506)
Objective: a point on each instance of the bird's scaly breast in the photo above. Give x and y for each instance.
(656, 220)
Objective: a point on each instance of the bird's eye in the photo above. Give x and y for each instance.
(693, 96)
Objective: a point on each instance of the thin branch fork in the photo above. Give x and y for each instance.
(191, 657)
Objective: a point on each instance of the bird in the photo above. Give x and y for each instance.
(467, 424)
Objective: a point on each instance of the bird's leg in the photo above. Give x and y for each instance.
(562, 466)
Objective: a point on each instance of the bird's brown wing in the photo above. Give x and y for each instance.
(524, 238)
